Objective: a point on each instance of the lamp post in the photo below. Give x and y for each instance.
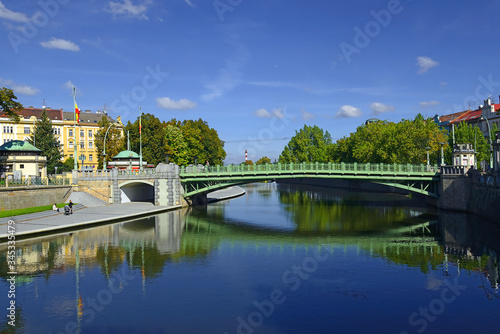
(489, 137)
(442, 153)
(427, 149)
(105, 135)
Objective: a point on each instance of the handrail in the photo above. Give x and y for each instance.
(95, 193)
(312, 167)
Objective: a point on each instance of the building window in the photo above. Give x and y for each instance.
(82, 144)
(90, 133)
(8, 129)
(91, 145)
(70, 144)
(71, 156)
(27, 130)
(56, 131)
(70, 132)
(6, 140)
(91, 157)
(21, 166)
(82, 133)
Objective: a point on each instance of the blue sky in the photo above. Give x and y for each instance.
(256, 71)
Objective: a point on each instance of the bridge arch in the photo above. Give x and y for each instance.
(137, 191)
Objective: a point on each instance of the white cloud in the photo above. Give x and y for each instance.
(278, 113)
(25, 90)
(19, 89)
(425, 64)
(306, 115)
(69, 84)
(262, 113)
(347, 111)
(62, 44)
(425, 104)
(379, 108)
(128, 9)
(10, 15)
(168, 103)
(189, 3)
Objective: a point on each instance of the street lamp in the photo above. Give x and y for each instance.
(442, 153)
(105, 135)
(489, 137)
(427, 149)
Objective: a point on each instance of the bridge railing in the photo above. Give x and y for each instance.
(312, 167)
(35, 182)
(82, 174)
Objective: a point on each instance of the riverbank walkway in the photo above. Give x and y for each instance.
(92, 213)
(51, 221)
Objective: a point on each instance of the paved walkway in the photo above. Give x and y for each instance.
(49, 221)
(226, 193)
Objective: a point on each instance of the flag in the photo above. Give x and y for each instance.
(140, 125)
(77, 113)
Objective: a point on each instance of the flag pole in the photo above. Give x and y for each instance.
(75, 158)
(140, 138)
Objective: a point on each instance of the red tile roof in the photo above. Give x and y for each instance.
(469, 116)
(54, 114)
(451, 117)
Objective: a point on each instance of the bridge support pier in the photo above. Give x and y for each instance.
(168, 185)
(200, 199)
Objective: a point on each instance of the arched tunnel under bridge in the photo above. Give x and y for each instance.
(137, 191)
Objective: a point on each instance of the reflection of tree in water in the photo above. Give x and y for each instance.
(317, 213)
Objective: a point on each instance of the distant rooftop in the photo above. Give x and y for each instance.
(19, 146)
(126, 155)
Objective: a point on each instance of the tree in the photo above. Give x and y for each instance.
(310, 144)
(203, 142)
(387, 142)
(8, 105)
(67, 165)
(176, 145)
(154, 144)
(114, 140)
(43, 138)
(263, 161)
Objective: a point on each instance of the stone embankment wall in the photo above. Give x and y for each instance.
(473, 192)
(26, 197)
(484, 201)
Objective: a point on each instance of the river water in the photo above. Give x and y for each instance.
(280, 259)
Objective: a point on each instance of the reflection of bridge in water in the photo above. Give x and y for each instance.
(417, 243)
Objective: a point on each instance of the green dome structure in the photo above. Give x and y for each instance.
(126, 159)
(19, 146)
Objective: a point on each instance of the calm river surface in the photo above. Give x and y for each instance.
(280, 259)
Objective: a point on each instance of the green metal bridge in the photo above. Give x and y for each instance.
(420, 179)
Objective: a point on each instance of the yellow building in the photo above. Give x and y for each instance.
(83, 134)
(64, 128)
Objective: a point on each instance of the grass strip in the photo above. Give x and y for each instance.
(18, 212)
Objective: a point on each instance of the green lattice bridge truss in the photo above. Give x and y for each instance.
(420, 179)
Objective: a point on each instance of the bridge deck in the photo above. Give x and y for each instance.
(417, 178)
